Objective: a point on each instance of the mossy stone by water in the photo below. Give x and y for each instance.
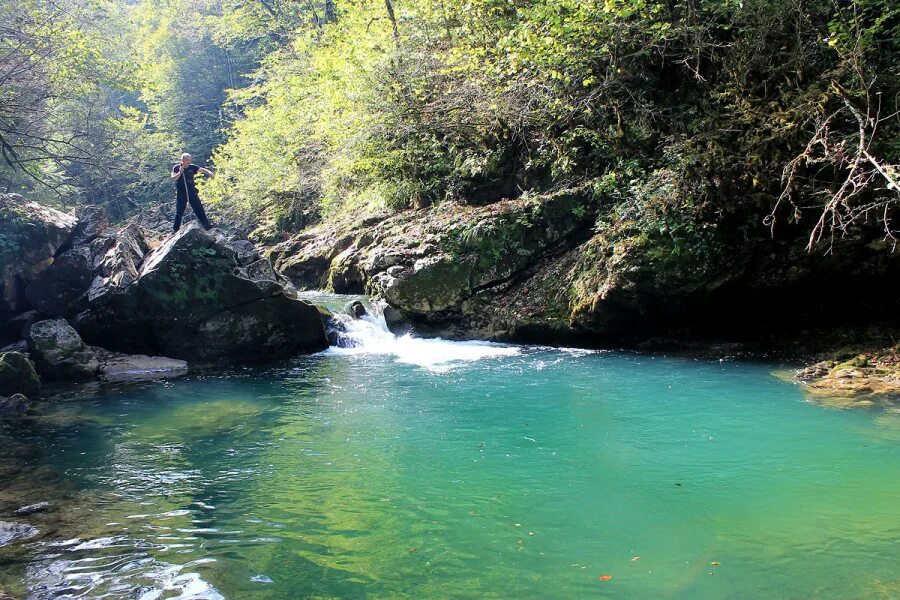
(17, 375)
(59, 351)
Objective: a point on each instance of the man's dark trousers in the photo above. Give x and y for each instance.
(181, 204)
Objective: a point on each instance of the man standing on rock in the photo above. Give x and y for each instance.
(186, 190)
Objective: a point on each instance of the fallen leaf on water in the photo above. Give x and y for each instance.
(519, 542)
(715, 563)
(634, 558)
(530, 533)
(412, 550)
(605, 577)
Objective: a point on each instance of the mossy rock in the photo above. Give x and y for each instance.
(192, 298)
(59, 351)
(18, 376)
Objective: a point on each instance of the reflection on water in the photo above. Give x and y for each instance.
(523, 472)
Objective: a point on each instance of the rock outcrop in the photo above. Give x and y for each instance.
(59, 351)
(18, 375)
(865, 379)
(30, 236)
(575, 268)
(61, 354)
(197, 297)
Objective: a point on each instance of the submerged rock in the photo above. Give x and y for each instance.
(18, 375)
(32, 509)
(10, 532)
(16, 404)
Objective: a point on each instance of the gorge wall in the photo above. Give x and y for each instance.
(551, 268)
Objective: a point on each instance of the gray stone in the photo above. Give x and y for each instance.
(246, 251)
(117, 261)
(59, 351)
(115, 366)
(92, 222)
(355, 309)
(32, 509)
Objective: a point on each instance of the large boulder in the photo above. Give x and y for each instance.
(59, 351)
(117, 260)
(30, 237)
(61, 288)
(93, 221)
(195, 297)
(18, 376)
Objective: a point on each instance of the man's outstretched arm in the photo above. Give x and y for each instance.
(206, 172)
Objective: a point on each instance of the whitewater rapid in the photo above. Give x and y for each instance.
(370, 335)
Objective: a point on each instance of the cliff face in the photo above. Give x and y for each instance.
(556, 268)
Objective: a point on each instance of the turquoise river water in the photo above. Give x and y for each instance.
(404, 468)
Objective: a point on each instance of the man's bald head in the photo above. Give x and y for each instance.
(186, 159)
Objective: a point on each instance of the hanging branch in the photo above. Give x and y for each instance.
(853, 156)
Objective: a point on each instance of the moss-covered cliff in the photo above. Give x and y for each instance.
(572, 266)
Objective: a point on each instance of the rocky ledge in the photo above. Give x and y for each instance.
(80, 299)
(574, 267)
(865, 379)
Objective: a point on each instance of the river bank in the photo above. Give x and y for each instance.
(516, 271)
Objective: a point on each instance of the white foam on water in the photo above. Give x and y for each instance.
(370, 335)
(132, 575)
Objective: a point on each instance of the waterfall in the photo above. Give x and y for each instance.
(369, 335)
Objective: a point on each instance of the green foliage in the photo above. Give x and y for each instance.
(99, 98)
(684, 116)
(476, 101)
